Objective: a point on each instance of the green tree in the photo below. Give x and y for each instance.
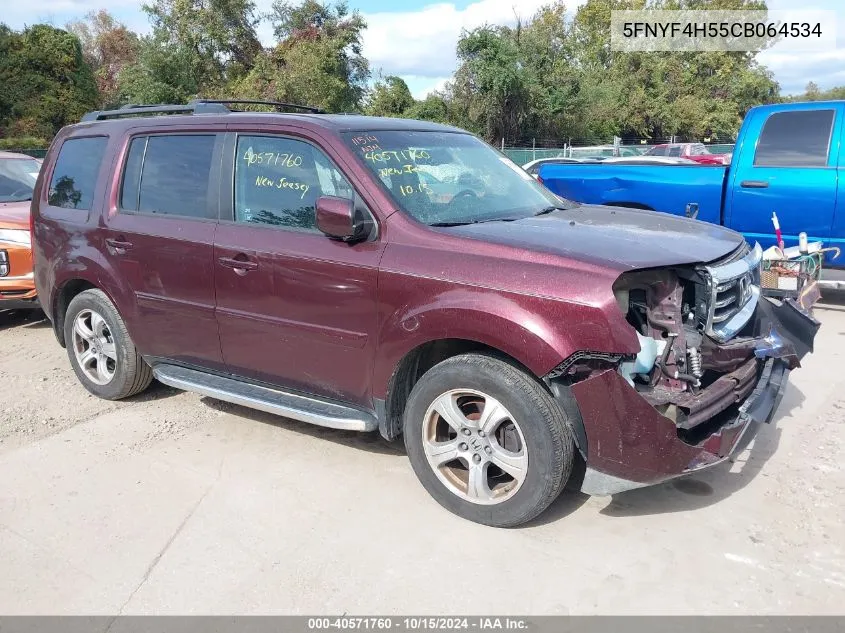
(390, 96)
(317, 61)
(434, 107)
(492, 84)
(195, 46)
(814, 93)
(556, 76)
(45, 81)
(163, 73)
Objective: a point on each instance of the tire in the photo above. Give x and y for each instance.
(100, 349)
(526, 432)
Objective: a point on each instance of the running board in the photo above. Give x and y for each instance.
(290, 405)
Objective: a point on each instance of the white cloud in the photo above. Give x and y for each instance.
(420, 87)
(794, 71)
(422, 43)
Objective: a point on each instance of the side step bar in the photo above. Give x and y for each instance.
(290, 405)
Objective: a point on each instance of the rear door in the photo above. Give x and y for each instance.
(790, 170)
(294, 308)
(161, 233)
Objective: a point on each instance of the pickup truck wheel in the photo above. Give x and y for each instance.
(100, 350)
(487, 441)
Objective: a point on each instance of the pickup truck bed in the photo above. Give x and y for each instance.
(657, 187)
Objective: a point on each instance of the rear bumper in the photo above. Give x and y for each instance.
(20, 304)
(629, 444)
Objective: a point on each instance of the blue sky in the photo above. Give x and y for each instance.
(416, 38)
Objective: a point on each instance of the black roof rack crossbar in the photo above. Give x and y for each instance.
(279, 105)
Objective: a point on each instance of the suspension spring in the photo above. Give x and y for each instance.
(694, 359)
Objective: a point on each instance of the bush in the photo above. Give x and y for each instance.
(23, 142)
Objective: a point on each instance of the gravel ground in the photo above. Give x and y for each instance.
(173, 503)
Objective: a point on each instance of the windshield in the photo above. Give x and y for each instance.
(17, 178)
(447, 178)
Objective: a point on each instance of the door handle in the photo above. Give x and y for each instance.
(240, 266)
(754, 184)
(119, 246)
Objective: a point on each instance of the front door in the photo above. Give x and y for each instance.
(161, 235)
(294, 308)
(790, 171)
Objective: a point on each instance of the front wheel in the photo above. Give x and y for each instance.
(487, 441)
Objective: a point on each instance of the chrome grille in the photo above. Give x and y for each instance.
(730, 296)
(733, 294)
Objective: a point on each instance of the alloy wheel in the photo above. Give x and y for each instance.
(475, 446)
(94, 347)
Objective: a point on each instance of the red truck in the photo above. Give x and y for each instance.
(299, 263)
(697, 152)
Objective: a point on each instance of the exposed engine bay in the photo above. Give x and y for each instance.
(704, 333)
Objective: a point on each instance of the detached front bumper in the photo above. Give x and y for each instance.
(629, 444)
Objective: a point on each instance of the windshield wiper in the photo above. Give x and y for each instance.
(550, 209)
(465, 222)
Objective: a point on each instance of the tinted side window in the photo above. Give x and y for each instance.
(278, 181)
(75, 173)
(675, 150)
(795, 139)
(174, 178)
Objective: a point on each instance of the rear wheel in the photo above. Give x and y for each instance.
(487, 441)
(100, 350)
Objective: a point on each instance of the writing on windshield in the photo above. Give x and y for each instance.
(449, 177)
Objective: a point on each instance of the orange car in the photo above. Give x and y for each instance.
(17, 179)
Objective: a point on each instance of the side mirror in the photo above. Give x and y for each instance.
(337, 218)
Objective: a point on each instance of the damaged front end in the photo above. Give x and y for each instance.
(714, 358)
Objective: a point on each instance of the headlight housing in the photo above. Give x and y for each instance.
(16, 236)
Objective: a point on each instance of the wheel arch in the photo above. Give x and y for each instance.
(417, 362)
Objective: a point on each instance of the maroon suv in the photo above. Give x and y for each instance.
(395, 275)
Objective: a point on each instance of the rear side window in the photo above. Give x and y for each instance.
(675, 150)
(169, 175)
(75, 173)
(795, 139)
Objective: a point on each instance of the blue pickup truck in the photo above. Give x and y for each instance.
(787, 160)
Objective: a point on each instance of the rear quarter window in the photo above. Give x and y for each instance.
(795, 139)
(75, 173)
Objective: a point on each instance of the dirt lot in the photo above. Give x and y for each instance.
(173, 503)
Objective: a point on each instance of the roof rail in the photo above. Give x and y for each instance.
(197, 106)
(279, 105)
(133, 110)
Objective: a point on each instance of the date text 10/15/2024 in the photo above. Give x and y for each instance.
(418, 623)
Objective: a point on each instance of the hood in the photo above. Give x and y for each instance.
(614, 237)
(14, 215)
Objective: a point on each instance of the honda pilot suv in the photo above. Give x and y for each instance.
(305, 264)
